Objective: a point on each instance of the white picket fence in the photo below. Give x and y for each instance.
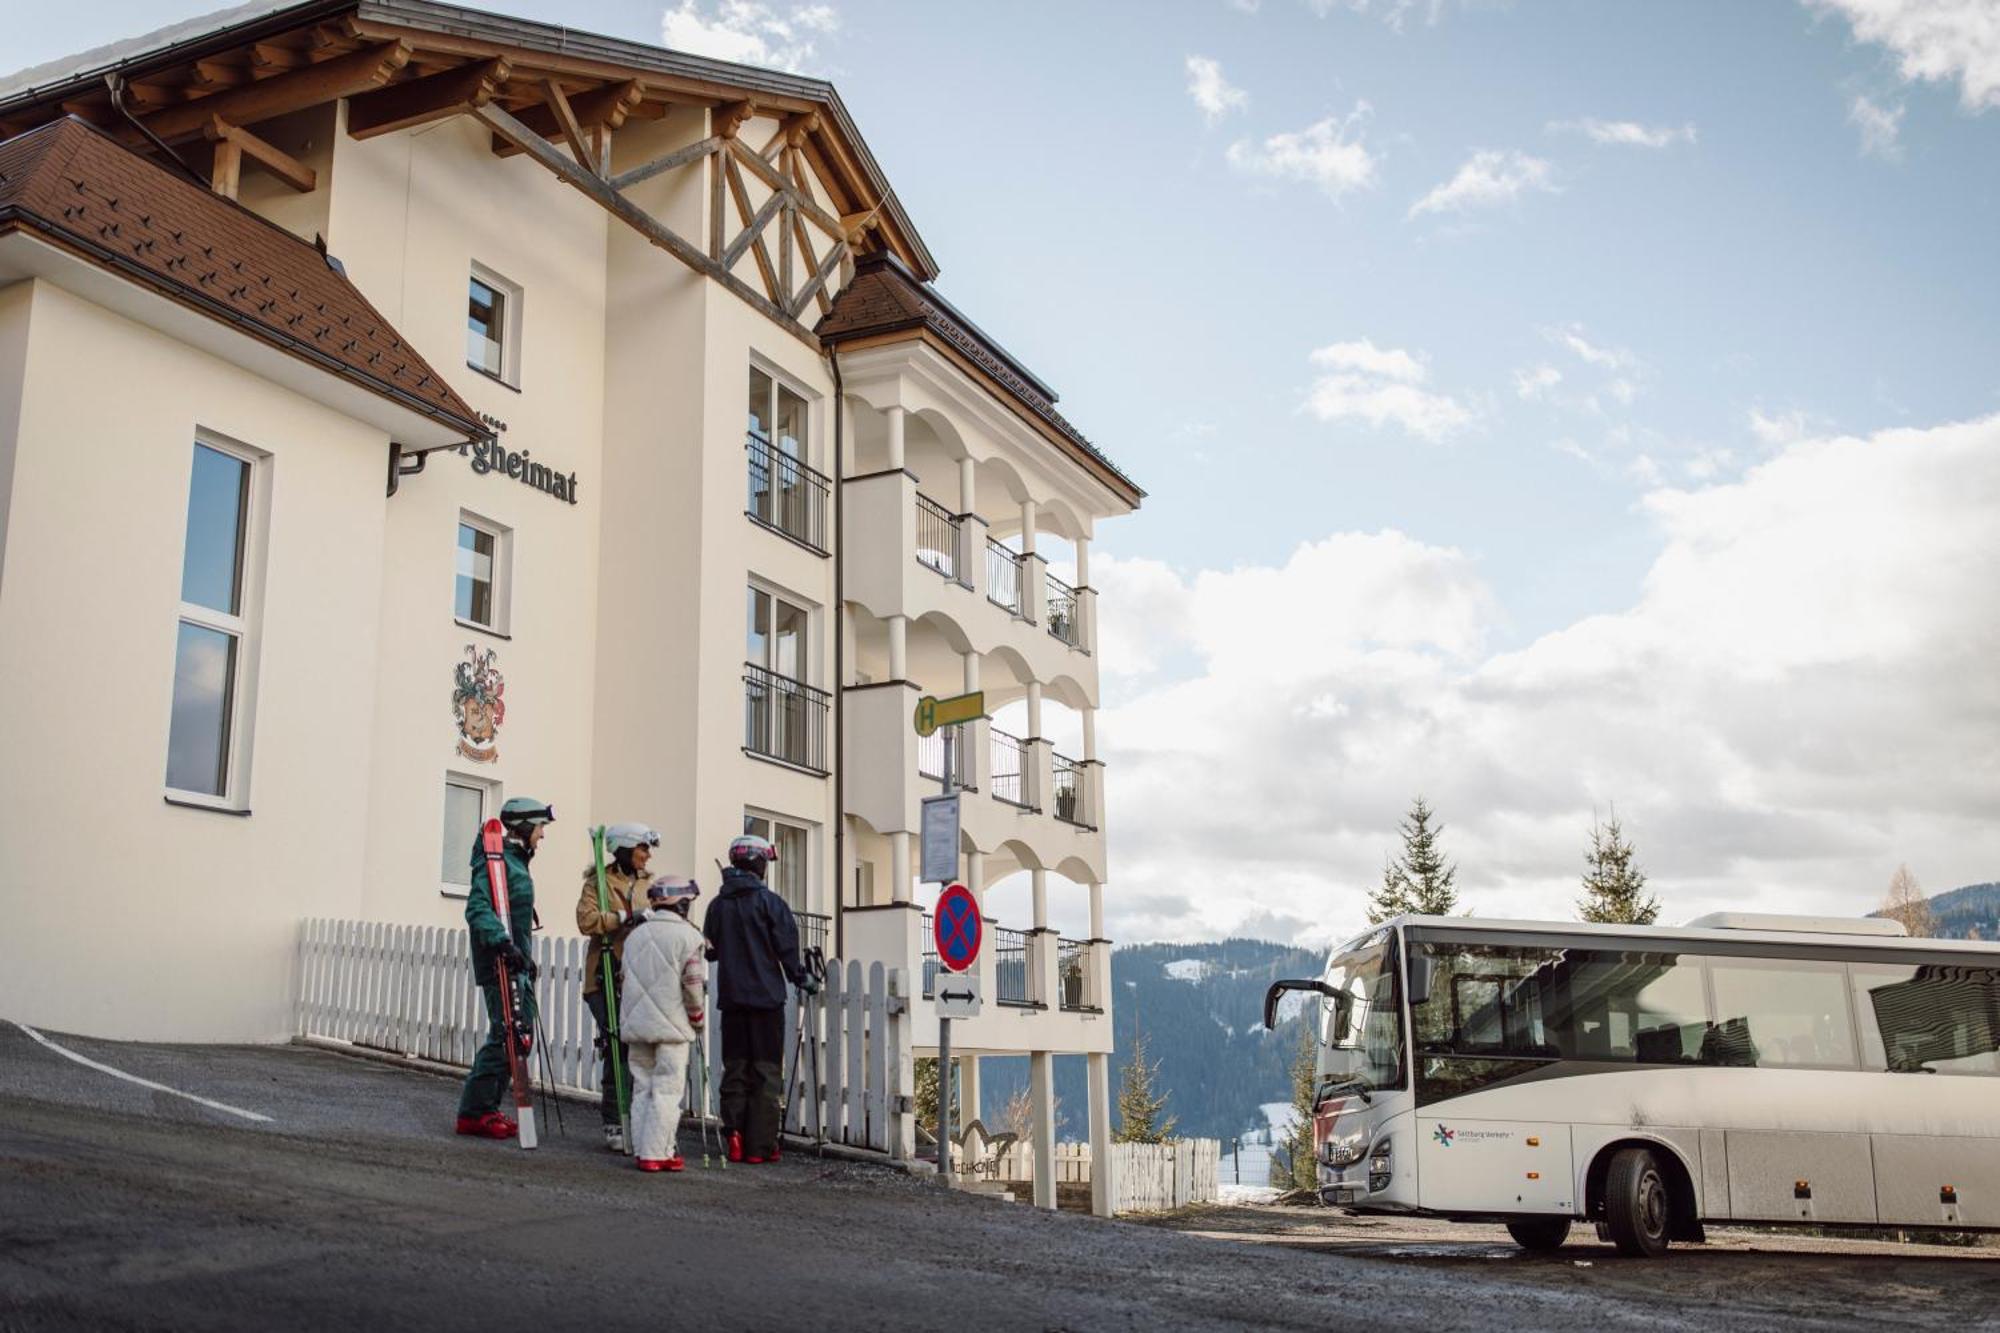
(1147, 1177)
(409, 990)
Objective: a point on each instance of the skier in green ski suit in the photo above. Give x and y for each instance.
(479, 1104)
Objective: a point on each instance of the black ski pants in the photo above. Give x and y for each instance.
(753, 1076)
(607, 1094)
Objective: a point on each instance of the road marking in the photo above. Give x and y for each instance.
(89, 1063)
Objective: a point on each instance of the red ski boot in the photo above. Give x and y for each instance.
(491, 1125)
(658, 1164)
(674, 1163)
(735, 1145)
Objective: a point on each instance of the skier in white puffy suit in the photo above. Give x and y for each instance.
(661, 1008)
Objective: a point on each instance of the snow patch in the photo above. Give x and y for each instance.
(1227, 1193)
(1280, 1116)
(1190, 970)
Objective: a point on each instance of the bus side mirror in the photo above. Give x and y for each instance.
(1421, 968)
(1280, 987)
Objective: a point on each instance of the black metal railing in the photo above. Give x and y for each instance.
(1003, 576)
(787, 494)
(1008, 756)
(1013, 980)
(930, 960)
(938, 537)
(1069, 787)
(1073, 975)
(1061, 612)
(815, 932)
(931, 756)
(784, 719)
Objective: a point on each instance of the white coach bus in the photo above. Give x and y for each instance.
(1765, 1069)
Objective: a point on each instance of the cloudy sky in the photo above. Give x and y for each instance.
(1546, 406)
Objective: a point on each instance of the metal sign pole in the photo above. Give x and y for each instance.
(944, 1024)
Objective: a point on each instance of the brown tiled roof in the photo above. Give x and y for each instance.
(77, 189)
(886, 298)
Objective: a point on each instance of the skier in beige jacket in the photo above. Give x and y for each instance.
(661, 1009)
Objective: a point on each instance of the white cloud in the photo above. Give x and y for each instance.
(1246, 6)
(1778, 428)
(1488, 178)
(1536, 381)
(1210, 91)
(1881, 128)
(1627, 133)
(1937, 41)
(1395, 13)
(749, 33)
(1328, 154)
(1381, 386)
(1795, 700)
(1591, 354)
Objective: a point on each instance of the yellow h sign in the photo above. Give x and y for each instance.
(933, 713)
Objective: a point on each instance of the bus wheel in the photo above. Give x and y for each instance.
(1542, 1235)
(1638, 1210)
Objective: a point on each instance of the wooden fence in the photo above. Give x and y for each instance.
(409, 990)
(1147, 1177)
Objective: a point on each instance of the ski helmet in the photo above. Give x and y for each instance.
(624, 837)
(751, 852)
(673, 891)
(521, 812)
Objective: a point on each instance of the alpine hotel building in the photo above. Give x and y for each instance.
(404, 407)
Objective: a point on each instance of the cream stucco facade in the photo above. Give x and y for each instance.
(622, 601)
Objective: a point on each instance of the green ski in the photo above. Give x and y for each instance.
(614, 1051)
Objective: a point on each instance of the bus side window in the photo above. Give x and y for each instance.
(1924, 1018)
(1780, 1013)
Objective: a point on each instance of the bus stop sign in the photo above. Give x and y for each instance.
(957, 928)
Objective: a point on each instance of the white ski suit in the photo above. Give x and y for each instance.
(660, 1011)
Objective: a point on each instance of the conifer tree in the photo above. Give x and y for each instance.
(1614, 889)
(1299, 1170)
(1139, 1107)
(1421, 879)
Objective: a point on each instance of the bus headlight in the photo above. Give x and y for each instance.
(1379, 1172)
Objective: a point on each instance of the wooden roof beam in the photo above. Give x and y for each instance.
(342, 76)
(607, 106)
(727, 120)
(266, 155)
(420, 101)
(572, 132)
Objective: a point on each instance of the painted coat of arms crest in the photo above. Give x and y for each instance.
(478, 704)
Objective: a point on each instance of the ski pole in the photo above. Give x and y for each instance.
(549, 1097)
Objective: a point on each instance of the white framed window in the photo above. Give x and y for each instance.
(468, 803)
(785, 715)
(493, 325)
(483, 573)
(791, 873)
(215, 646)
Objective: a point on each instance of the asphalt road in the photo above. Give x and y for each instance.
(353, 1207)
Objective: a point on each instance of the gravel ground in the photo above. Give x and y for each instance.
(353, 1207)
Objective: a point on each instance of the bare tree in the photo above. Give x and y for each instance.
(1906, 903)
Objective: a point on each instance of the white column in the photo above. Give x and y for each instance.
(1038, 881)
(899, 867)
(1101, 1168)
(899, 647)
(1097, 911)
(971, 660)
(1034, 710)
(1083, 562)
(1042, 1091)
(975, 879)
(1090, 735)
(968, 1091)
(1030, 516)
(895, 415)
(968, 477)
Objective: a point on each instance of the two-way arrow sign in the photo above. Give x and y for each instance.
(957, 995)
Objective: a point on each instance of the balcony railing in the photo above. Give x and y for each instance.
(931, 755)
(1062, 612)
(786, 494)
(1073, 975)
(1008, 756)
(1003, 576)
(1068, 775)
(784, 719)
(1013, 981)
(939, 539)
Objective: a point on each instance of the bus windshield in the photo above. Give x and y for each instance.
(1361, 1042)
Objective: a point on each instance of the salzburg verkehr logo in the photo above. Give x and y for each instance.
(1444, 1136)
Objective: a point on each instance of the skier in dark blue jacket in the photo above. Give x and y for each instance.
(754, 940)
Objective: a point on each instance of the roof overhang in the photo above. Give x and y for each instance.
(28, 252)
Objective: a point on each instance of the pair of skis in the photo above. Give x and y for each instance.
(516, 1012)
(608, 979)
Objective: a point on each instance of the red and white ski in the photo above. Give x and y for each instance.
(518, 1026)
